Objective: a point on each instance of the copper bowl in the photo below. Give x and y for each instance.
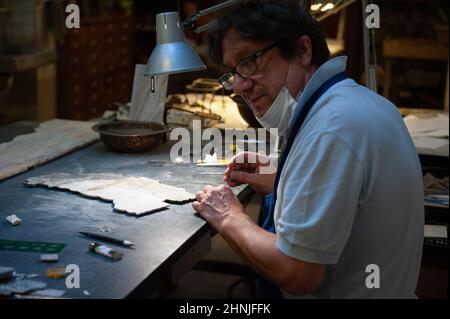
(131, 136)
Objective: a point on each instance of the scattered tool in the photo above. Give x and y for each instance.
(122, 242)
(6, 273)
(31, 246)
(49, 258)
(56, 273)
(21, 287)
(218, 164)
(105, 251)
(49, 292)
(14, 220)
(212, 161)
(105, 228)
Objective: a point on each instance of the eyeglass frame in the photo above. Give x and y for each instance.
(251, 57)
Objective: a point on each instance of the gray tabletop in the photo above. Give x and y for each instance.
(57, 216)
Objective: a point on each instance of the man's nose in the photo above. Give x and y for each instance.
(241, 85)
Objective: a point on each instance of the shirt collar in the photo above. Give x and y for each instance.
(323, 73)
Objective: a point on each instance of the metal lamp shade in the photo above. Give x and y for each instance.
(172, 53)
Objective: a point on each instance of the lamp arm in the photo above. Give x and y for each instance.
(191, 22)
(335, 9)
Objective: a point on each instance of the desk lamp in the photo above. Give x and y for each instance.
(172, 53)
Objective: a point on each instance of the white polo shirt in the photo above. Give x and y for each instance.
(350, 194)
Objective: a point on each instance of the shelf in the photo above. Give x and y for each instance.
(27, 61)
(421, 49)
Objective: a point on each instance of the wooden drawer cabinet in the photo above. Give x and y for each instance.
(96, 66)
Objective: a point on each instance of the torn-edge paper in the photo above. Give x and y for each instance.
(129, 194)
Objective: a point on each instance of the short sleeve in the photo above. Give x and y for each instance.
(318, 196)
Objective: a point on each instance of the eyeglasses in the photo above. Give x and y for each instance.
(245, 68)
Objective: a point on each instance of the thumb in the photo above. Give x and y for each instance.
(197, 206)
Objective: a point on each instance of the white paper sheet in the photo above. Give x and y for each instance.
(437, 231)
(436, 126)
(145, 104)
(133, 195)
(430, 142)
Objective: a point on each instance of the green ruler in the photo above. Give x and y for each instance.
(33, 246)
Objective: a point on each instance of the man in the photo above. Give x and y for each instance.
(348, 215)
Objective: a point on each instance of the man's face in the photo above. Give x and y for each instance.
(260, 89)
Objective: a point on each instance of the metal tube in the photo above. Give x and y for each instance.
(335, 9)
(189, 23)
(217, 7)
(369, 49)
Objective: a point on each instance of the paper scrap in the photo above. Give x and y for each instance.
(437, 231)
(430, 142)
(436, 126)
(436, 200)
(49, 258)
(14, 220)
(105, 228)
(6, 273)
(21, 287)
(50, 292)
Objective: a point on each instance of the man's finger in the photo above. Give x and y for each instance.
(199, 196)
(242, 177)
(249, 167)
(226, 174)
(226, 178)
(197, 206)
(245, 158)
(234, 184)
(207, 188)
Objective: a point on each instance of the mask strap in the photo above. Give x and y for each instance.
(287, 76)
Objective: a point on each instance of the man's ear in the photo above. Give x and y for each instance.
(304, 50)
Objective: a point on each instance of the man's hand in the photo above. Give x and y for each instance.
(253, 169)
(222, 210)
(216, 203)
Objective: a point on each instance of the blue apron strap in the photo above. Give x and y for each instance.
(269, 201)
(267, 210)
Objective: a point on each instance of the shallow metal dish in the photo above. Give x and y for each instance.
(131, 136)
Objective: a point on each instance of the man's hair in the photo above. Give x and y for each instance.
(280, 21)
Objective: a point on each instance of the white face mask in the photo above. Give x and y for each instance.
(279, 113)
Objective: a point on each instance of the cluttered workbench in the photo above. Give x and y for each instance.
(167, 242)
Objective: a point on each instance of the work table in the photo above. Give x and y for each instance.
(168, 243)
